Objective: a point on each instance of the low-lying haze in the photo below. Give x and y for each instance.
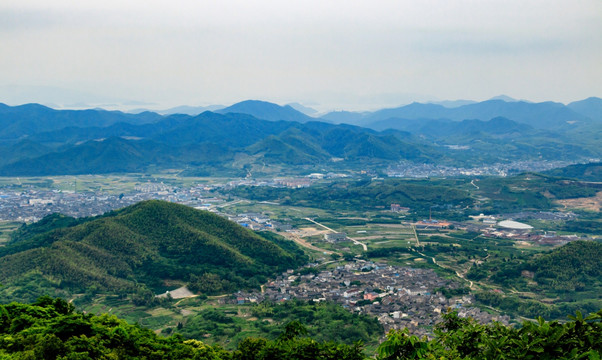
(326, 54)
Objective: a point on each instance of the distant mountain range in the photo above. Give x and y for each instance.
(255, 136)
(546, 115)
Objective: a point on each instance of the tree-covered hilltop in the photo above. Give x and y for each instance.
(51, 329)
(493, 195)
(364, 194)
(136, 248)
(585, 172)
(572, 267)
(570, 274)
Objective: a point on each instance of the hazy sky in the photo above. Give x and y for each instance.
(329, 54)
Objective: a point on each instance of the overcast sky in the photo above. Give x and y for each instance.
(327, 54)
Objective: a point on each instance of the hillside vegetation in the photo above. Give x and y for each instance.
(363, 195)
(136, 249)
(324, 321)
(584, 172)
(570, 274)
(51, 329)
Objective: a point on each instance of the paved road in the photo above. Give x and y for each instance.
(232, 203)
(329, 229)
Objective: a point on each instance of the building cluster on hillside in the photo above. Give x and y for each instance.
(398, 296)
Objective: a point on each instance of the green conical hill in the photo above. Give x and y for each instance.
(144, 245)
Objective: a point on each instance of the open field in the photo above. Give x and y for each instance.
(587, 203)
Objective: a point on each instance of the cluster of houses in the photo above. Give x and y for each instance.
(257, 221)
(399, 297)
(396, 208)
(28, 203)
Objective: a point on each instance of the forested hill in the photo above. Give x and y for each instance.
(584, 172)
(135, 249)
(571, 275)
(573, 267)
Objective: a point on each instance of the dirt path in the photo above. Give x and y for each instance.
(305, 244)
(447, 268)
(416, 235)
(329, 229)
(475, 185)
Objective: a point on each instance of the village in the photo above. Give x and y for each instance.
(399, 297)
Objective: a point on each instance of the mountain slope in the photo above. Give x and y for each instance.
(142, 245)
(24, 149)
(19, 121)
(591, 107)
(97, 141)
(291, 147)
(117, 155)
(583, 172)
(206, 139)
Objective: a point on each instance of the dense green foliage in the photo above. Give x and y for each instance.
(458, 338)
(51, 329)
(442, 197)
(48, 223)
(323, 321)
(26, 237)
(572, 274)
(584, 172)
(133, 249)
(528, 191)
(581, 226)
(571, 267)
(363, 195)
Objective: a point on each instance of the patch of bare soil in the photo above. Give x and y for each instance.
(179, 293)
(589, 203)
